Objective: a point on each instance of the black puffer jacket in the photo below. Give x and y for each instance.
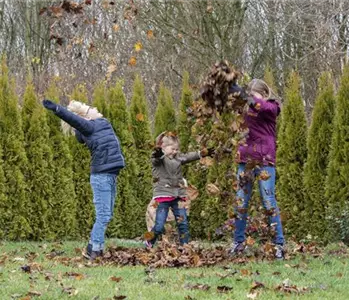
(100, 138)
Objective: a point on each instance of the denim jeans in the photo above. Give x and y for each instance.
(267, 192)
(104, 192)
(180, 216)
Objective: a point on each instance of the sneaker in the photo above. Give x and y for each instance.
(148, 244)
(237, 248)
(279, 252)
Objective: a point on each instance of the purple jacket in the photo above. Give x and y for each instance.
(261, 140)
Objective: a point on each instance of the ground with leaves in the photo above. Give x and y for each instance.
(57, 271)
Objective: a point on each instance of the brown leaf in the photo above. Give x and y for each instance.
(245, 272)
(116, 279)
(150, 34)
(250, 241)
(203, 287)
(257, 285)
(34, 294)
(212, 189)
(119, 297)
(224, 289)
(133, 61)
(116, 27)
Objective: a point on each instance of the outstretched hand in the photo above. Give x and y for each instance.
(208, 152)
(48, 104)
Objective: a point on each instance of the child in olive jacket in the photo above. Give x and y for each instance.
(169, 188)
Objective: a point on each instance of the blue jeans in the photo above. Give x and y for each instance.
(180, 216)
(267, 191)
(104, 192)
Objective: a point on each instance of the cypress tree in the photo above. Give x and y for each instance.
(165, 115)
(291, 155)
(337, 187)
(184, 123)
(81, 175)
(5, 215)
(140, 128)
(62, 217)
(99, 99)
(14, 161)
(40, 172)
(126, 216)
(318, 148)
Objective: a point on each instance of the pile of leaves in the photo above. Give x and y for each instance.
(167, 254)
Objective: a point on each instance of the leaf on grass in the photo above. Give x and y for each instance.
(245, 272)
(252, 295)
(257, 285)
(119, 297)
(77, 276)
(116, 27)
(34, 294)
(203, 287)
(116, 279)
(224, 289)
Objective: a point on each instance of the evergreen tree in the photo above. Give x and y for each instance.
(337, 187)
(15, 220)
(291, 155)
(127, 212)
(99, 99)
(184, 123)
(81, 175)
(142, 136)
(40, 172)
(4, 213)
(318, 148)
(165, 115)
(62, 217)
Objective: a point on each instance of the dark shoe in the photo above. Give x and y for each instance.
(279, 252)
(236, 248)
(90, 254)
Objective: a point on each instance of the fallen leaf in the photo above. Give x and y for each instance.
(116, 279)
(252, 295)
(245, 272)
(224, 289)
(119, 297)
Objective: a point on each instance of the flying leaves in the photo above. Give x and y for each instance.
(138, 46)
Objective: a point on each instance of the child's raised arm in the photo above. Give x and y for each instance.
(192, 156)
(84, 126)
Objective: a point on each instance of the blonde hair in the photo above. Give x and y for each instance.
(78, 108)
(259, 86)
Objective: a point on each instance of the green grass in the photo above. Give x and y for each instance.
(325, 278)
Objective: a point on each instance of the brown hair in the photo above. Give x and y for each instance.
(166, 138)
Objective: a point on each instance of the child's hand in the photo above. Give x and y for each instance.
(207, 152)
(157, 153)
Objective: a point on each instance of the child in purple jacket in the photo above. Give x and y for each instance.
(260, 148)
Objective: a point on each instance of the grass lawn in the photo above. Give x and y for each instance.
(307, 277)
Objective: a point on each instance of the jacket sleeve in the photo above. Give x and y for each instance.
(79, 138)
(84, 126)
(269, 109)
(188, 157)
